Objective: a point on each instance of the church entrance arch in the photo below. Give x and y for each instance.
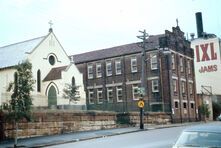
(52, 97)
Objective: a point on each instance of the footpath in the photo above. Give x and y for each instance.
(44, 141)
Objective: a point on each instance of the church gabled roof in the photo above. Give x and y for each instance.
(55, 73)
(11, 55)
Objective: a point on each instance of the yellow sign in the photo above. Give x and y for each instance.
(140, 103)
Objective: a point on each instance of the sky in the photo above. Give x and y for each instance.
(87, 25)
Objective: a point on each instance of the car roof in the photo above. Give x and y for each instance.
(212, 127)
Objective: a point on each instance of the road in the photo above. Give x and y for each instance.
(156, 138)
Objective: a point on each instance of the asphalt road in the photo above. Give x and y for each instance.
(157, 138)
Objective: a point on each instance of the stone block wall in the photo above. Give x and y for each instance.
(133, 118)
(57, 122)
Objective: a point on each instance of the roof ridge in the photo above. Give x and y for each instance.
(98, 50)
(22, 41)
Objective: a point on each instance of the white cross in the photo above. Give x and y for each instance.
(50, 23)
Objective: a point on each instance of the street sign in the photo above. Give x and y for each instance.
(140, 103)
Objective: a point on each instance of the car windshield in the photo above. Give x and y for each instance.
(199, 139)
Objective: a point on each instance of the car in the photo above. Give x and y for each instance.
(219, 118)
(205, 135)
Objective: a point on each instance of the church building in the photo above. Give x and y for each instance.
(51, 68)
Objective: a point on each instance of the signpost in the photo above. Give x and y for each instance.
(141, 106)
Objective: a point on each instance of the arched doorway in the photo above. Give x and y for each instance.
(52, 97)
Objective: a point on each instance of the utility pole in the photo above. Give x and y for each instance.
(143, 91)
(143, 37)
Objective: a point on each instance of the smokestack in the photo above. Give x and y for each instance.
(199, 24)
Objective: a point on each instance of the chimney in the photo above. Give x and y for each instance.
(192, 36)
(199, 24)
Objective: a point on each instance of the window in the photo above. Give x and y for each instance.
(38, 81)
(15, 81)
(191, 88)
(153, 60)
(118, 67)
(90, 71)
(176, 104)
(188, 67)
(183, 86)
(181, 64)
(173, 61)
(119, 94)
(51, 59)
(174, 85)
(135, 92)
(98, 70)
(184, 105)
(73, 81)
(99, 95)
(134, 64)
(155, 86)
(192, 105)
(110, 94)
(91, 96)
(108, 68)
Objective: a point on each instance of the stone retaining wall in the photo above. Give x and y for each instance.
(57, 122)
(133, 118)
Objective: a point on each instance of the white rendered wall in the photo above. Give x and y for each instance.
(207, 64)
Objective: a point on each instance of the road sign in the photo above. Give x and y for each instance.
(140, 103)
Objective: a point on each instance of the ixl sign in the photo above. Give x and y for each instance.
(207, 52)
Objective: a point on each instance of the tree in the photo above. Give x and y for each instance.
(71, 92)
(204, 110)
(216, 109)
(21, 101)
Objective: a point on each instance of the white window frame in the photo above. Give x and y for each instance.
(90, 71)
(188, 67)
(91, 92)
(135, 92)
(98, 70)
(192, 103)
(118, 89)
(153, 61)
(108, 68)
(133, 64)
(185, 106)
(110, 91)
(175, 104)
(173, 61)
(118, 67)
(174, 85)
(99, 95)
(181, 64)
(155, 83)
(191, 88)
(183, 87)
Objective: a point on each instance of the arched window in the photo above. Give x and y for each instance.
(73, 81)
(15, 78)
(39, 81)
(15, 83)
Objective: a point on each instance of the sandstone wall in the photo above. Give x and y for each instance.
(57, 122)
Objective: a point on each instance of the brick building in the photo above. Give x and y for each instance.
(112, 76)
